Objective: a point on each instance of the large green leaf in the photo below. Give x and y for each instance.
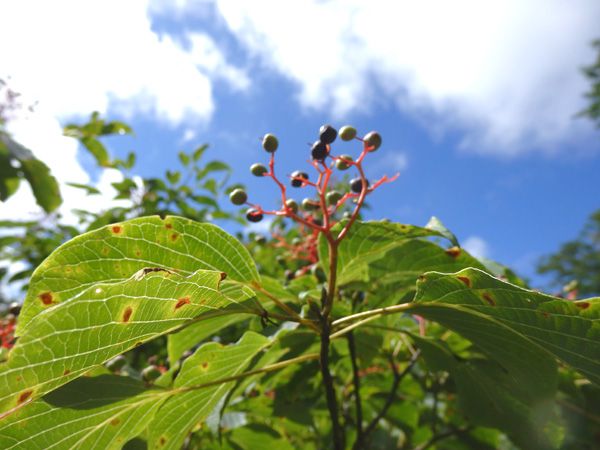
(490, 396)
(518, 327)
(116, 252)
(211, 362)
(105, 320)
(367, 242)
(100, 412)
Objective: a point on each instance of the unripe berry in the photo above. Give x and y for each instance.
(347, 133)
(117, 363)
(327, 134)
(296, 182)
(318, 273)
(356, 185)
(333, 197)
(254, 215)
(296, 241)
(341, 163)
(258, 170)
(319, 151)
(292, 205)
(260, 239)
(150, 373)
(270, 143)
(238, 196)
(309, 205)
(373, 140)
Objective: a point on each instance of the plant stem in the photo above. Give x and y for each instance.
(374, 312)
(338, 438)
(356, 380)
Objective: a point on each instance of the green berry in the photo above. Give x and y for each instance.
(373, 140)
(260, 239)
(347, 133)
(296, 241)
(291, 204)
(356, 185)
(341, 162)
(254, 215)
(270, 143)
(327, 134)
(238, 196)
(117, 363)
(258, 170)
(309, 204)
(151, 373)
(318, 273)
(333, 197)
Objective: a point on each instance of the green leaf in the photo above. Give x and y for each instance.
(367, 242)
(97, 149)
(437, 225)
(517, 327)
(91, 190)
(173, 177)
(9, 178)
(103, 321)
(211, 362)
(184, 158)
(490, 396)
(43, 184)
(100, 412)
(199, 152)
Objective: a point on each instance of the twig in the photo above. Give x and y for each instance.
(398, 377)
(356, 380)
(444, 435)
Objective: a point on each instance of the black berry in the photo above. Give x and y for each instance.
(14, 308)
(327, 134)
(296, 182)
(319, 151)
(270, 143)
(254, 215)
(258, 170)
(347, 133)
(356, 185)
(373, 140)
(238, 196)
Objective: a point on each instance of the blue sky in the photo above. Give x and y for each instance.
(475, 100)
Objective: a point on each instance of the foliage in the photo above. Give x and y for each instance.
(167, 332)
(592, 72)
(576, 265)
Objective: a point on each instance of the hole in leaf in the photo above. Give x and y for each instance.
(465, 280)
(182, 301)
(46, 298)
(24, 396)
(488, 298)
(127, 314)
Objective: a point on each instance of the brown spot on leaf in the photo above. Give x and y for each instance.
(24, 396)
(138, 343)
(117, 229)
(545, 314)
(204, 365)
(168, 226)
(223, 276)
(162, 440)
(182, 301)
(116, 421)
(138, 253)
(46, 298)
(453, 251)
(174, 236)
(422, 278)
(105, 251)
(465, 280)
(66, 372)
(582, 305)
(127, 314)
(19, 378)
(488, 298)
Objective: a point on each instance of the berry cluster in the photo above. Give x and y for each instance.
(7, 326)
(316, 214)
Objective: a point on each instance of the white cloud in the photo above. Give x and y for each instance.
(78, 56)
(476, 246)
(506, 71)
(394, 161)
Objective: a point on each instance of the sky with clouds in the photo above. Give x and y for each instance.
(475, 100)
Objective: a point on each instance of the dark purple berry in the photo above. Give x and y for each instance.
(356, 185)
(327, 134)
(254, 215)
(296, 182)
(319, 151)
(14, 308)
